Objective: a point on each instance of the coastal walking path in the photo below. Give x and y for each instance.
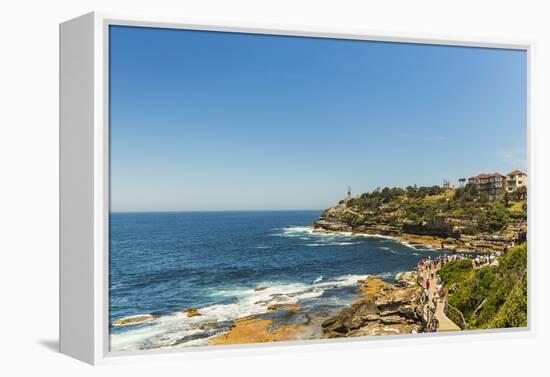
(444, 323)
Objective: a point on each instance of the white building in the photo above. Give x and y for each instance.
(515, 180)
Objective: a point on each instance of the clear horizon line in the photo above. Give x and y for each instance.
(214, 210)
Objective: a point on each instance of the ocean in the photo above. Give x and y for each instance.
(163, 263)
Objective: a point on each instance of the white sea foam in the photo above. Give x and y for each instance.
(417, 246)
(342, 281)
(168, 330)
(392, 251)
(162, 332)
(299, 231)
(366, 235)
(331, 244)
(133, 320)
(408, 245)
(296, 231)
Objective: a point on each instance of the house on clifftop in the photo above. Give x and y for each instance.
(516, 179)
(493, 184)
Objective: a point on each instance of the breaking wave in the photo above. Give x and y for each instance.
(178, 330)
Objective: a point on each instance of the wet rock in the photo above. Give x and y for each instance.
(287, 307)
(134, 320)
(208, 325)
(331, 225)
(192, 312)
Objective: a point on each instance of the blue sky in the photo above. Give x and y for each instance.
(225, 121)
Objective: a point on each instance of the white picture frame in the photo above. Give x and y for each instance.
(84, 187)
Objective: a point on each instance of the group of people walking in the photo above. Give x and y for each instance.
(484, 260)
(433, 293)
(427, 271)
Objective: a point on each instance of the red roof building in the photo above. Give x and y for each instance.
(494, 184)
(516, 179)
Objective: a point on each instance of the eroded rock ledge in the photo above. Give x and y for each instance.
(384, 309)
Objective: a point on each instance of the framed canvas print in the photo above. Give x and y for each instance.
(225, 187)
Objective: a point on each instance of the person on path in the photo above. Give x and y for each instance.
(435, 324)
(441, 294)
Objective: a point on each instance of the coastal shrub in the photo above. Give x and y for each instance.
(469, 230)
(456, 271)
(516, 210)
(357, 220)
(425, 205)
(513, 313)
(519, 194)
(514, 262)
(393, 220)
(492, 296)
(498, 216)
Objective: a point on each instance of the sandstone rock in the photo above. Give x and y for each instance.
(192, 312)
(372, 317)
(392, 319)
(390, 309)
(377, 329)
(208, 325)
(134, 320)
(356, 322)
(412, 312)
(329, 322)
(288, 307)
(406, 279)
(332, 225)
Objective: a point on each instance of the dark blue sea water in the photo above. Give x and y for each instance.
(163, 263)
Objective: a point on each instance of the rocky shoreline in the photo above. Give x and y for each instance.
(458, 219)
(481, 243)
(384, 309)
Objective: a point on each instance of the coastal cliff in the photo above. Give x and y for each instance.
(461, 218)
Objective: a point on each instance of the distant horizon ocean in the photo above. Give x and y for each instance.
(161, 263)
